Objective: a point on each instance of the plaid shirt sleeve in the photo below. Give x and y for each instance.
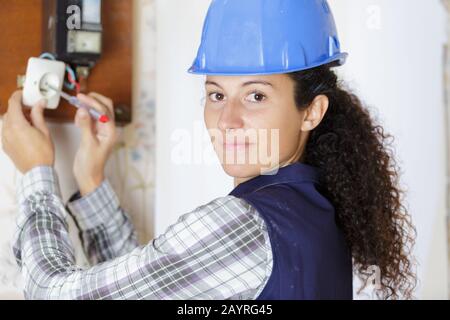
(106, 230)
(220, 250)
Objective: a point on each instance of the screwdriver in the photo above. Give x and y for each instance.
(103, 118)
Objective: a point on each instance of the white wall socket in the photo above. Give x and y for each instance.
(40, 74)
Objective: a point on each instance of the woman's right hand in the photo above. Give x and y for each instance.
(97, 142)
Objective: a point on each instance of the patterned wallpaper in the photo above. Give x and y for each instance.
(131, 169)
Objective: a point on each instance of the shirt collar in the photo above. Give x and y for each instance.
(296, 172)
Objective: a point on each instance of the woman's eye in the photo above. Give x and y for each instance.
(256, 97)
(216, 97)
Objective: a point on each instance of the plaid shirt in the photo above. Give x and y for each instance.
(221, 250)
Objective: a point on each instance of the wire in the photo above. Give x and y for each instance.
(71, 76)
(72, 84)
(47, 55)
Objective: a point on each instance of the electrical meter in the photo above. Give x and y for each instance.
(72, 31)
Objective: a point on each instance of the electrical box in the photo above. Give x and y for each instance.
(72, 30)
(41, 75)
(32, 27)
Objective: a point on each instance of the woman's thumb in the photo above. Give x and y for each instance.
(84, 122)
(37, 117)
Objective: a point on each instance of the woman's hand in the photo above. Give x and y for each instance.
(27, 142)
(97, 142)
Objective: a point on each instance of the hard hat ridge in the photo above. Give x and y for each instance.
(243, 37)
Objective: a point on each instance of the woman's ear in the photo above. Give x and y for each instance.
(315, 112)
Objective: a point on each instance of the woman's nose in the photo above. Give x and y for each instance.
(231, 116)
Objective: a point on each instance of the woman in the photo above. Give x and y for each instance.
(323, 202)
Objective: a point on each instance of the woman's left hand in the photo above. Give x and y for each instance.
(27, 143)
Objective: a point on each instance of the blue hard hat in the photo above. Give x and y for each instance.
(245, 37)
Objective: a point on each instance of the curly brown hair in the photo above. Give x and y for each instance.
(360, 177)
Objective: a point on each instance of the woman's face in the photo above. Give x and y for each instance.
(254, 123)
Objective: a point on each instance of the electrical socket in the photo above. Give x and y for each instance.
(40, 74)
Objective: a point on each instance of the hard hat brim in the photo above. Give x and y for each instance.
(340, 60)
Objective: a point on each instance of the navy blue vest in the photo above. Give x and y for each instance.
(311, 259)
